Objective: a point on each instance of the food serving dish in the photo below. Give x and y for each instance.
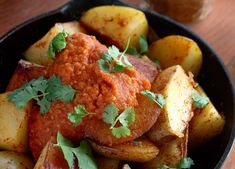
(213, 76)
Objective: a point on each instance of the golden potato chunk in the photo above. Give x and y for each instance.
(37, 53)
(176, 88)
(177, 50)
(116, 24)
(169, 153)
(140, 150)
(12, 160)
(13, 125)
(205, 125)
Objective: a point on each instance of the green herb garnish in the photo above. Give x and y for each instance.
(199, 100)
(184, 163)
(44, 91)
(57, 44)
(158, 98)
(79, 113)
(126, 118)
(143, 48)
(114, 61)
(82, 153)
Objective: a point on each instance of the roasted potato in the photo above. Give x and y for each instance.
(107, 163)
(37, 53)
(140, 150)
(13, 125)
(169, 153)
(176, 88)
(12, 160)
(25, 71)
(205, 125)
(51, 157)
(116, 24)
(177, 50)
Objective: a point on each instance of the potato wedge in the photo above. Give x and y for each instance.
(51, 157)
(177, 50)
(13, 160)
(140, 150)
(107, 163)
(13, 125)
(37, 53)
(169, 154)
(116, 24)
(25, 71)
(176, 88)
(206, 124)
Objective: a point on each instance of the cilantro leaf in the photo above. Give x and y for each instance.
(199, 100)
(114, 61)
(57, 44)
(82, 153)
(143, 44)
(157, 98)
(132, 51)
(77, 116)
(43, 91)
(126, 118)
(185, 163)
(121, 131)
(84, 156)
(110, 113)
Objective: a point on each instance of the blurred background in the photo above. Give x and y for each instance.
(213, 20)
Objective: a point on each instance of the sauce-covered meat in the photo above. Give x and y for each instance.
(77, 65)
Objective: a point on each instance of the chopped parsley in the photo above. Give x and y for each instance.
(114, 61)
(184, 163)
(82, 153)
(43, 91)
(57, 44)
(126, 118)
(199, 100)
(143, 48)
(158, 98)
(79, 113)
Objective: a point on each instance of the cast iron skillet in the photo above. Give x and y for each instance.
(214, 77)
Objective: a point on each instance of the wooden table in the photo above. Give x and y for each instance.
(218, 30)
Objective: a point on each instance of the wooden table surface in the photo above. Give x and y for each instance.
(218, 30)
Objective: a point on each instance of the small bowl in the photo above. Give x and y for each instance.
(214, 77)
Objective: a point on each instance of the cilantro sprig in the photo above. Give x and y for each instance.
(114, 61)
(79, 113)
(199, 100)
(43, 91)
(126, 118)
(143, 48)
(82, 153)
(184, 163)
(57, 44)
(157, 98)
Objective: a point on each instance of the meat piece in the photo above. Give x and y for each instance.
(25, 71)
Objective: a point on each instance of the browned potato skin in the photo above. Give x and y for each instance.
(37, 52)
(13, 125)
(140, 150)
(206, 124)
(177, 50)
(116, 24)
(145, 117)
(107, 163)
(13, 160)
(25, 71)
(51, 158)
(176, 88)
(169, 153)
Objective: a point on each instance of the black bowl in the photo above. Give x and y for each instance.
(214, 77)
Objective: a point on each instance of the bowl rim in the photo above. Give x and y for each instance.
(64, 8)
